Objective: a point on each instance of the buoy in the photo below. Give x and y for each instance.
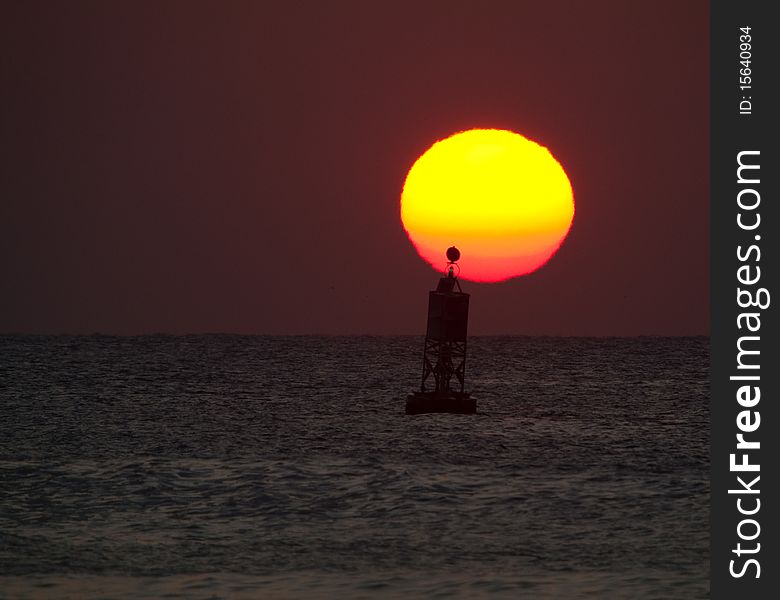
(442, 388)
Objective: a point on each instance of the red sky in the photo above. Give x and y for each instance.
(236, 167)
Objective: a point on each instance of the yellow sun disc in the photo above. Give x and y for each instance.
(502, 199)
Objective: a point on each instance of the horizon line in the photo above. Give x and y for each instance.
(234, 334)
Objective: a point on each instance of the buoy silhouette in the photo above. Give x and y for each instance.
(442, 388)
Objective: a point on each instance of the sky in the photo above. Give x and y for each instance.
(194, 167)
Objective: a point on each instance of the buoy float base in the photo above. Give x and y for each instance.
(436, 402)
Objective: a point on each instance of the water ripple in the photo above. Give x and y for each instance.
(284, 467)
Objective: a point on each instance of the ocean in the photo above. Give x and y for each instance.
(220, 466)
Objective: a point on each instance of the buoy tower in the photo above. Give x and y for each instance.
(444, 355)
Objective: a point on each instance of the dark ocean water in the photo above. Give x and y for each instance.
(284, 467)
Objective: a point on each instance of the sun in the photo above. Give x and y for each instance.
(501, 198)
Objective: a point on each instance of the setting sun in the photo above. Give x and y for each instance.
(499, 197)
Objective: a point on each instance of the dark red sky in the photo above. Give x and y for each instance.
(236, 167)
